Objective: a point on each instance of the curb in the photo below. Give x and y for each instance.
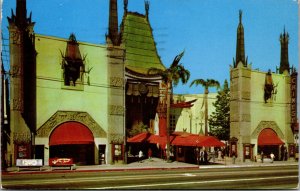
(126, 168)
(15, 173)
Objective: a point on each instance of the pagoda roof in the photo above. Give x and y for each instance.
(137, 38)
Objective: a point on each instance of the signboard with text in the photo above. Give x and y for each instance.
(60, 161)
(293, 101)
(29, 162)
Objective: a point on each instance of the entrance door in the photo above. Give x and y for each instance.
(73, 140)
(102, 154)
(81, 154)
(39, 152)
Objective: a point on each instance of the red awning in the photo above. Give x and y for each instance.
(194, 140)
(71, 133)
(268, 137)
(209, 141)
(187, 104)
(138, 138)
(185, 140)
(160, 140)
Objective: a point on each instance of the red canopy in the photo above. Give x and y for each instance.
(185, 140)
(210, 141)
(179, 139)
(268, 137)
(138, 138)
(194, 140)
(161, 140)
(71, 133)
(187, 104)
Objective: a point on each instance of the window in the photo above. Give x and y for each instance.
(172, 123)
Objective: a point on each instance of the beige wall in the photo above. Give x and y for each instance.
(249, 114)
(192, 118)
(52, 95)
(276, 110)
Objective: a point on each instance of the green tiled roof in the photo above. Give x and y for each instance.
(141, 53)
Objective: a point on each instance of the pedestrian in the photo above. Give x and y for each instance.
(272, 157)
(262, 156)
(285, 154)
(205, 157)
(213, 155)
(149, 154)
(201, 156)
(219, 154)
(197, 156)
(171, 155)
(282, 153)
(233, 157)
(140, 155)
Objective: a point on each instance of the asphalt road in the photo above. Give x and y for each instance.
(268, 177)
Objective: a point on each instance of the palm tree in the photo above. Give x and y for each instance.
(206, 84)
(172, 75)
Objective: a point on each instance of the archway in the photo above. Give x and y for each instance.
(72, 140)
(268, 142)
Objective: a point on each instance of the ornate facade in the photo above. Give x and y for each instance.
(260, 102)
(76, 87)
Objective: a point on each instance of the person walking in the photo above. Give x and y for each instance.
(149, 154)
(262, 156)
(219, 154)
(140, 155)
(205, 157)
(201, 156)
(233, 157)
(272, 157)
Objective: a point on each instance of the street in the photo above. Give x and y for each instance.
(263, 177)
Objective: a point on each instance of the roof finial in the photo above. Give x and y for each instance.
(284, 55)
(125, 5)
(113, 21)
(147, 8)
(240, 15)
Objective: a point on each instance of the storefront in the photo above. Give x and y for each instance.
(72, 140)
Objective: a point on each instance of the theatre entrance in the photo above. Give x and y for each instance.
(73, 140)
(81, 154)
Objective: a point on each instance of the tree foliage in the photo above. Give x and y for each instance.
(219, 121)
(206, 84)
(137, 129)
(175, 73)
(171, 76)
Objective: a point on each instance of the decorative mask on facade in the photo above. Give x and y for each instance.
(72, 62)
(270, 89)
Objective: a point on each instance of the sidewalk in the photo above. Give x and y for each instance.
(154, 163)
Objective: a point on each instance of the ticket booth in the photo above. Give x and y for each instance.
(248, 151)
(233, 146)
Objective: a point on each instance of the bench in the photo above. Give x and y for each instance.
(29, 164)
(61, 163)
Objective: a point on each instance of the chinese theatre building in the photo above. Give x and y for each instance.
(59, 100)
(262, 106)
(72, 99)
(136, 95)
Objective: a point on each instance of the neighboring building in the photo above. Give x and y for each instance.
(262, 106)
(191, 119)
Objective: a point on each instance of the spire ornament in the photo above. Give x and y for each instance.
(125, 6)
(240, 44)
(284, 56)
(147, 4)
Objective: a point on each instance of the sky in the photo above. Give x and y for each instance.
(204, 29)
